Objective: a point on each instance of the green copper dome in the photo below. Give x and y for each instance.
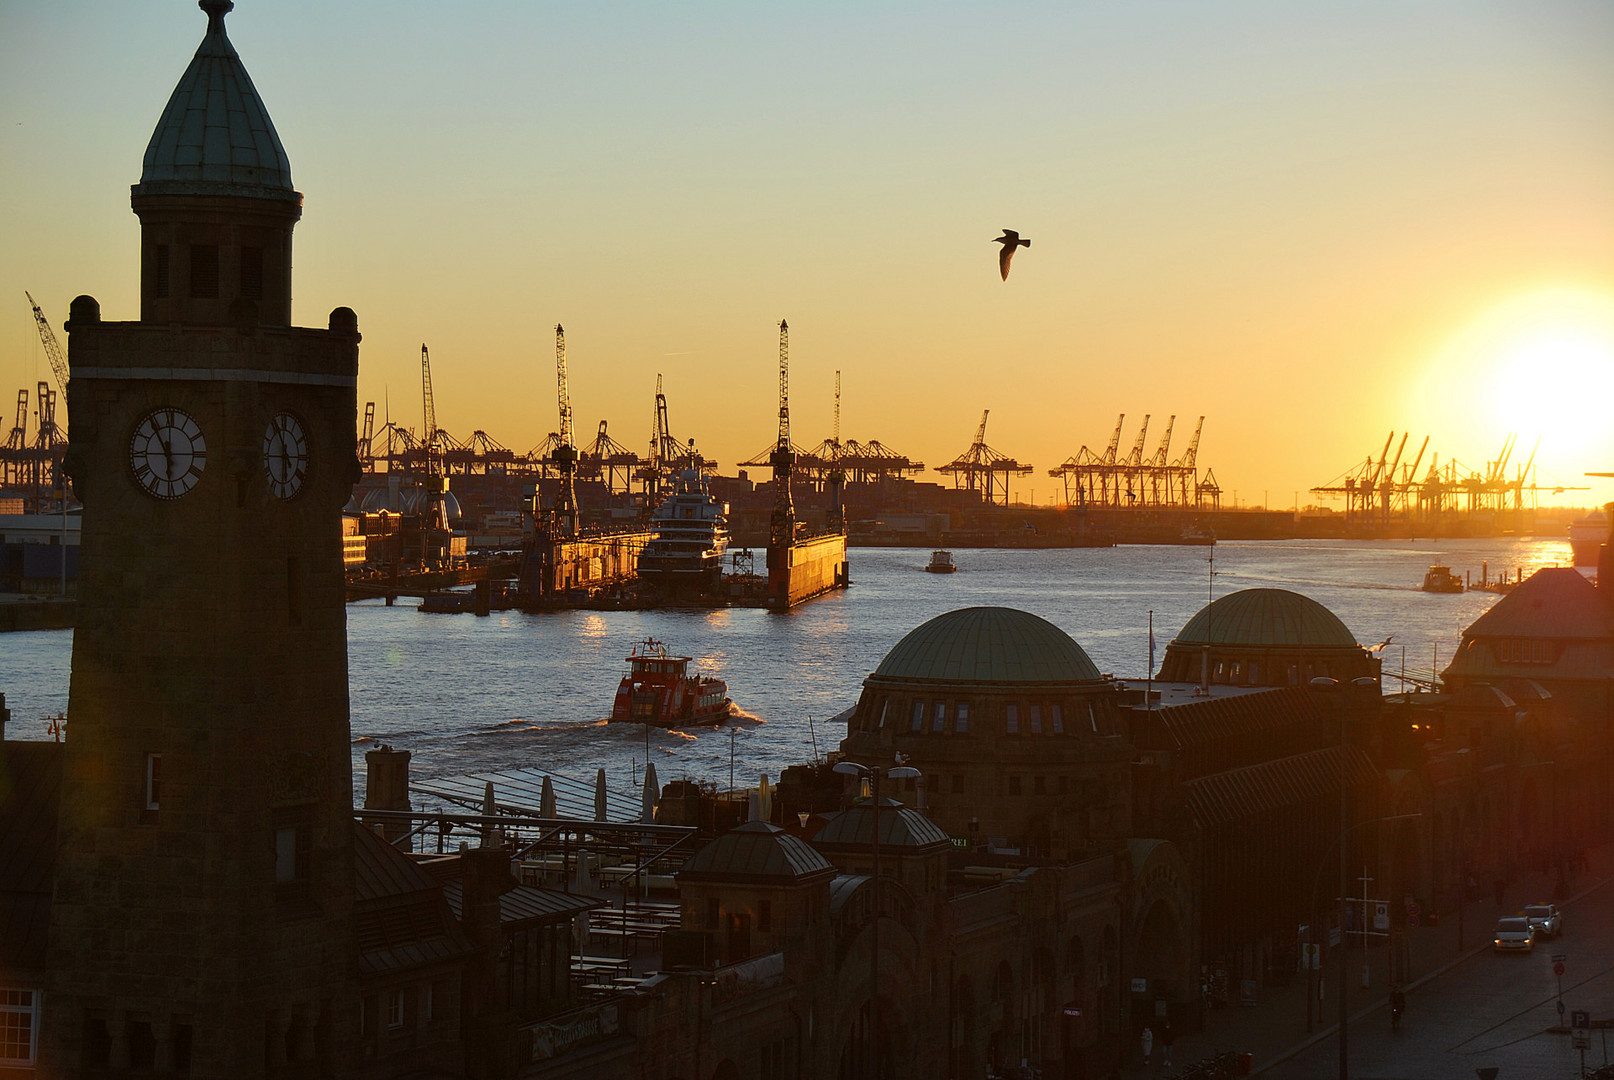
(215, 136)
(1270, 617)
(988, 645)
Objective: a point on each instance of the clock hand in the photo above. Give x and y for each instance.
(168, 454)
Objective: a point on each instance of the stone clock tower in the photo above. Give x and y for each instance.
(202, 917)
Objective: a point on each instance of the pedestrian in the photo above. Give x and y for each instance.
(1167, 1037)
(1148, 1043)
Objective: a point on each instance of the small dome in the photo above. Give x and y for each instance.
(215, 136)
(757, 852)
(900, 827)
(988, 645)
(1269, 617)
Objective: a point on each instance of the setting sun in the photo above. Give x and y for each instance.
(1540, 365)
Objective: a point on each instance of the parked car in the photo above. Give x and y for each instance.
(1514, 934)
(1546, 918)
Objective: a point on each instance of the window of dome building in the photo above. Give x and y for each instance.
(1011, 719)
(1014, 785)
(918, 721)
(1039, 785)
(1036, 719)
(961, 718)
(938, 718)
(1092, 717)
(884, 705)
(958, 783)
(1057, 715)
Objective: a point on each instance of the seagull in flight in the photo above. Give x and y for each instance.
(1010, 240)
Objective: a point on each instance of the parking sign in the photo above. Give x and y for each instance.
(1580, 1024)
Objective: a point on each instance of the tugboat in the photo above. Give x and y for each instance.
(941, 562)
(691, 537)
(658, 690)
(1440, 579)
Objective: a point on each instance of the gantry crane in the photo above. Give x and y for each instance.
(983, 470)
(782, 523)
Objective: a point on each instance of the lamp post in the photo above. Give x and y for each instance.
(873, 774)
(1316, 882)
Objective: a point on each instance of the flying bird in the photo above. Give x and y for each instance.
(1010, 240)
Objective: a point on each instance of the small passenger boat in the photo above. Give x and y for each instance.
(1440, 579)
(658, 690)
(941, 562)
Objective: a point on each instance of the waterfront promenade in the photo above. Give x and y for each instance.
(1273, 1030)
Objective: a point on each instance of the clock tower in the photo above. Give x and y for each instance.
(202, 917)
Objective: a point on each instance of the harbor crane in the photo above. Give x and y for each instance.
(47, 337)
(782, 523)
(606, 459)
(429, 432)
(565, 455)
(836, 477)
(366, 445)
(983, 470)
(1152, 482)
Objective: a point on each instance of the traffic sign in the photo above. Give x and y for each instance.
(1412, 920)
(1413, 910)
(1580, 1023)
(1558, 968)
(1559, 957)
(1560, 1010)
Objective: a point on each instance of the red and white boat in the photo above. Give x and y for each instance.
(658, 690)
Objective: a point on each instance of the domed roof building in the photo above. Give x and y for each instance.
(1265, 637)
(1015, 730)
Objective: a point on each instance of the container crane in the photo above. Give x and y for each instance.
(980, 468)
(366, 444)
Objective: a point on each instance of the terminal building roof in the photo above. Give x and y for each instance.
(215, 136)
(1553, 603)
(988, 645)
(759, 853)
(1266, 617)
(900, 827)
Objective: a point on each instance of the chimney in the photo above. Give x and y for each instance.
(386, 787)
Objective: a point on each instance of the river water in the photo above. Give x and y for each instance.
(471, 695)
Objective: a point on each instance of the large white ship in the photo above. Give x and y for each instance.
(691, 528)
(1586, 535)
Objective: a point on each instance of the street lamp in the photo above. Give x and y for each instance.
(873, 773)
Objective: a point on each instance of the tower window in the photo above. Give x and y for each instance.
(961, 717)
(19, 1026)
(395, 1009)
(252, 273)
(1058, 716)
(917, 723)
(1014, 785)
(938, 720)
(1036, 719)
(154, 780)
(1011, 719)
(293, 850)
(142, 1044)
(159, 273)
(204, 271)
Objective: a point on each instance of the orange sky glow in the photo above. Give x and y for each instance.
(1313, 224)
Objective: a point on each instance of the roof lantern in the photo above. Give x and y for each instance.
(215, 136)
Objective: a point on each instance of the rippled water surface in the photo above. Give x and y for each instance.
(514, 690)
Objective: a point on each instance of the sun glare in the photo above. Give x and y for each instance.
(1541, 366)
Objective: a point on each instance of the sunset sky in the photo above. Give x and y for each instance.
(1311, 222)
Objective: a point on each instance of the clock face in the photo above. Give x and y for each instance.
(167, 453)
(285, 455)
